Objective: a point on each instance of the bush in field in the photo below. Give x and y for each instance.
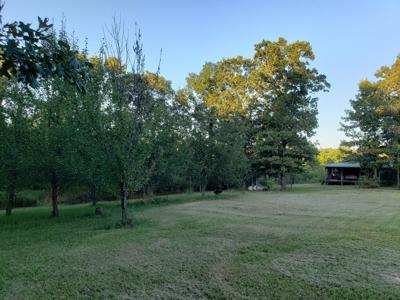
(269, 183)
(366, 182)
(28, 198)
(25, 198)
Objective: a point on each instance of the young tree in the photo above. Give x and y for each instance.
(202, 143)
(129, 111)
(16, 138)
(57, 104)
(57, 108)
(160, 139)
(89, 125)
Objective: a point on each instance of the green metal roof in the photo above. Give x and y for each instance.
(344, 164)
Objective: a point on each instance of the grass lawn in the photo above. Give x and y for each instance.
(313, 242)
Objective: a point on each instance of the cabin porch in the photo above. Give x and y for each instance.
(343, 173)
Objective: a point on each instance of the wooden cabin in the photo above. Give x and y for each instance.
(343, 173)
(349, 172)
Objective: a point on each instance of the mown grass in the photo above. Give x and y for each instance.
(312, 242)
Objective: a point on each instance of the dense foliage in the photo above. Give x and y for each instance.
(28, 53)
(334, 155)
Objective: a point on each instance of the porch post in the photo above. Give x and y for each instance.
(341, 176)
(326, 175)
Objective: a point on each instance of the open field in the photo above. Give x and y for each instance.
(313, 242)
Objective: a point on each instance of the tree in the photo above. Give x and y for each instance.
(16, 138)
(217, 137)
(162, 140)
(25, 55)
(271, 95)
(57, 135)
(202, 144)
(89, 125)
(389, 81)
(283, 84)
(373, 122)
(58, 106)
(49, 64)
(129, 111)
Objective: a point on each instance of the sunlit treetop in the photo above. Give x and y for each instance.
(238, 84)
(113, 64)
(389, 78)
(159, 83)
(389, 82)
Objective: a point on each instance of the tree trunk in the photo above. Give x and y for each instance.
(10, 200)
(124, 204)
(190, 185)
(8, 211)
(375, 173)
(282, 181)
(398, 170)
(92, 194)
(148, 194)
(54, 196)
(203, 189)
(265, 180)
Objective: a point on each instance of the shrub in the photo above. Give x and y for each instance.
(80, 194)
(28, 198)
(269, 183)
(25, 198)
(366, 182)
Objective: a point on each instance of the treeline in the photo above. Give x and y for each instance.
(105, 123)
(373, 122)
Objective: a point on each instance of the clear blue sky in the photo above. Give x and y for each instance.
(351, 39)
